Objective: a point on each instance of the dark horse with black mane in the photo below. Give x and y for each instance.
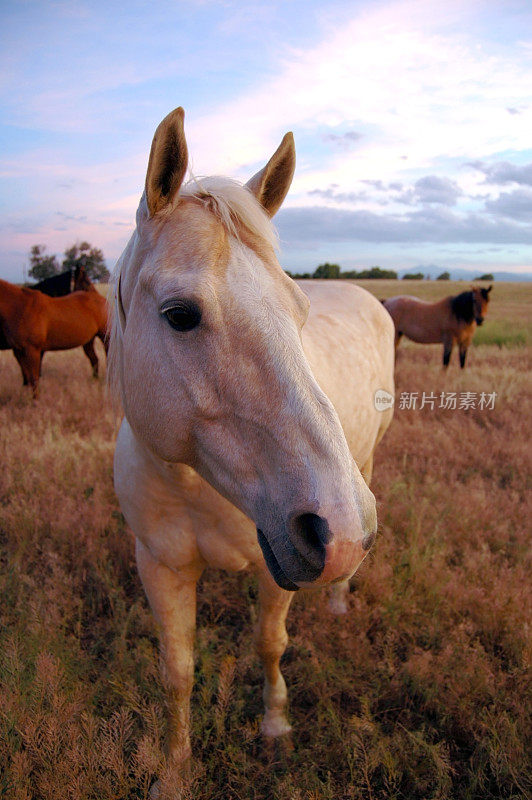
(71, 280)
(450, 321)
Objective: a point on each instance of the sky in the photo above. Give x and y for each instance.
(412, 123)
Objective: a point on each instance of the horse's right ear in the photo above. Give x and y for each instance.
(168, 162)
(270, 186)
(488, 290)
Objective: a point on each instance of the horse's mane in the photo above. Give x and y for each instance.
(462, 306)
(233, 204)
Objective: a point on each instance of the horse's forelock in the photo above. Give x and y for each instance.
(234, 205)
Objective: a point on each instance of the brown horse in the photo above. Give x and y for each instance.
(31, 323)
(450, 321)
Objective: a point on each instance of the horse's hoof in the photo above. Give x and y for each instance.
(338, 605)
(274, 724)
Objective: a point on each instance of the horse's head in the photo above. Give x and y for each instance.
(82, 281)
(481, 298)
(208, 356)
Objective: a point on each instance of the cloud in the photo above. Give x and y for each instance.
(344, 141)
(307, 226)
(331, 193)
(395, 186)
(70, 217)
(432, 189)
(427, 190)
(502, 172)
(397, 74)
(513, 205)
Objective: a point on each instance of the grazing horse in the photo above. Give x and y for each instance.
(231, 455)
(31, 323)
(450, 321)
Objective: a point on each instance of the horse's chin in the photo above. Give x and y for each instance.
(273, 565)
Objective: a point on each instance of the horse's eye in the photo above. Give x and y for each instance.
(182, 316)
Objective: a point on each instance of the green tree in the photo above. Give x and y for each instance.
(327, 271)
(372, 273)
(91, 258)
(413, 276)
(378, 272)
(486, 277)
(445, 276)
(41, 265)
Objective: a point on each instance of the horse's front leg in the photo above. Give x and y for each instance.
(91, 355)
(448, 342)
(271, 639)
(463, 344)
(29, 360)
(172, 597)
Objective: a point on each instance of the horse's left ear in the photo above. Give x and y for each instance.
(270, 186)
(168, 162)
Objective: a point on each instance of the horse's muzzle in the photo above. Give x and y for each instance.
(305, 553)
(479, 320)
(298, 554)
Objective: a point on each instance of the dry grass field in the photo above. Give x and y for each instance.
(421, 692)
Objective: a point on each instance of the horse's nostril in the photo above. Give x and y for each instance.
(309, 534)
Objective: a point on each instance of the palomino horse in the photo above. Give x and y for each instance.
(450, 321)
(231, 454)
(31, 323)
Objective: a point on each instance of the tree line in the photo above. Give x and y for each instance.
(44, 265)
(335, 272)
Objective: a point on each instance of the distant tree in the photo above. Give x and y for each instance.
(487, 277)
(91, 258)
(327, 271)
(413, 276)
(379, 274)
(41, 265)
(445, 276)
(372, 273)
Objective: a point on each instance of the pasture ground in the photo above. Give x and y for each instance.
(421, 691)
